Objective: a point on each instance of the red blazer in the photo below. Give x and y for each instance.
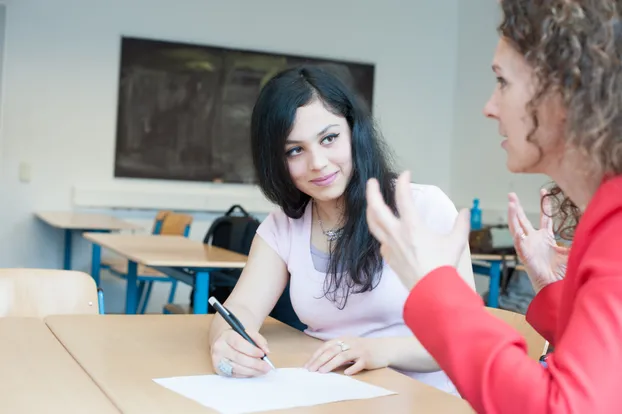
(581, 316)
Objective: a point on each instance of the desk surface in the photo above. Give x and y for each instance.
(39, 376)
(84, 221)
(123, 354)
(167, 251)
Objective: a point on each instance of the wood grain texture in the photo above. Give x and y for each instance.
(125, 353)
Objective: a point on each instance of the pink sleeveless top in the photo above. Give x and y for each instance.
(377, 313)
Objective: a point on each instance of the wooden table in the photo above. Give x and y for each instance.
(187, 260)
(37, 375)
(123, 354)
(71, 222)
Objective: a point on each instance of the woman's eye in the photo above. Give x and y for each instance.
(329, 139)
(293, 151)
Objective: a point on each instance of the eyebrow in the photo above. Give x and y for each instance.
(322, 132)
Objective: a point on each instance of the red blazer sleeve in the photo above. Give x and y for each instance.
(543, 311)
(487, 359)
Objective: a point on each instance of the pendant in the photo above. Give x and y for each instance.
(332, 235)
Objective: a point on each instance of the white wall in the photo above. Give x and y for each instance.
(60, 89)
(478, 161)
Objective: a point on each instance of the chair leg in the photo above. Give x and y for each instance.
(171, 295)
(147, 295)
(141, 289)
(100, 300)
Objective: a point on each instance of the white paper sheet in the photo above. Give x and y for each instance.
(280, 389)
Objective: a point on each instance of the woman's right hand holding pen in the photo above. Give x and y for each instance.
(244, 359)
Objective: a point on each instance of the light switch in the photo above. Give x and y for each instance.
(24, 172)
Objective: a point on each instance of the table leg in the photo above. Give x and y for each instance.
(67, 260)
(96, 258)
(495, 281)
(131, 295)
(201, 291)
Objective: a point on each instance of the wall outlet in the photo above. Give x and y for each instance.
(24, 172)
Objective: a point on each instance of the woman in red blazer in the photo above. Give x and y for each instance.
(558, 103)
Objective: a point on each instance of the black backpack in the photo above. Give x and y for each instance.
(234, 232)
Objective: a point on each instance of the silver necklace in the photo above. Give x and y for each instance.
(331, 235)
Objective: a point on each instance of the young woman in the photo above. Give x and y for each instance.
(314, 148)
(558, 104)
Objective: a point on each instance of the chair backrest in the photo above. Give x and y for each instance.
(159, 218)
(176, 224)
(43, 292)
(536, 344)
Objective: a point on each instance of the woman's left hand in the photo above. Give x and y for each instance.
(406, 244)
(363, 353)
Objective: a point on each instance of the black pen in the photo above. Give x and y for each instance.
(236, 325)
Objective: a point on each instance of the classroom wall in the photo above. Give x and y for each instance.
(478, 161)
(60, 87)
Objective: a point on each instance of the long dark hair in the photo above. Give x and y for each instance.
(355, 262)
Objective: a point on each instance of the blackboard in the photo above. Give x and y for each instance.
(184, 109)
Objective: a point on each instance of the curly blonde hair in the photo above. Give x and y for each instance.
(575, 49)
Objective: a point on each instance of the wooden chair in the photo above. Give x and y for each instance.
(536, 344)
(114, 260)
(43, 292)
(165, 223)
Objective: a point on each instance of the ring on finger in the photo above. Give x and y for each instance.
(225, 367)
(522, 236)
(344, 347)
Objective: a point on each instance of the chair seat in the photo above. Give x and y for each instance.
(177, 309)
(119, 265)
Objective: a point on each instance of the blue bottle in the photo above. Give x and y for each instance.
(476, 215)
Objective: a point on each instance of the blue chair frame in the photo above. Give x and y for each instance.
(100, 299)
